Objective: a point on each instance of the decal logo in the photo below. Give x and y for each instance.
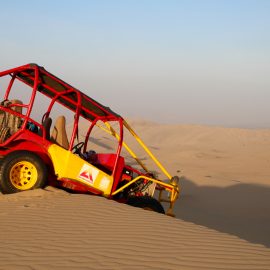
(88, 174)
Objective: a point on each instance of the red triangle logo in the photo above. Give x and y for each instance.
(86, 176)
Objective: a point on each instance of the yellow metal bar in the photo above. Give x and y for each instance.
(146, 149)
(173, 189)
(111, 131)
(165, 185)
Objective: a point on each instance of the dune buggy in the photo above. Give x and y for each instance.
(35, 153)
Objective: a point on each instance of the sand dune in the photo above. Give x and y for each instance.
(214, 155)
(225, 175)
(55, 230)
(222, 215)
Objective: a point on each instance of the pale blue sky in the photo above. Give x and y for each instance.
(199, 62)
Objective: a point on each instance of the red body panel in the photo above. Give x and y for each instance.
(26, 140)
(106, 163)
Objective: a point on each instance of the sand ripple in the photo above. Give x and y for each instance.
(55, 230)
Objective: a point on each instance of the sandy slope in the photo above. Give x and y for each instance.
(55, 230)
(223, 219)
(225, 175)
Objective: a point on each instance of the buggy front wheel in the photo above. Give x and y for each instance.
(22, 170)
(146, 202)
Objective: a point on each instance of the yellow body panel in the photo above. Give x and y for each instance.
(71, 166)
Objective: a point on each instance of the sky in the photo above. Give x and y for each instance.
(168, 61)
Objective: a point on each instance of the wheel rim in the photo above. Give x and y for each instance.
(23, 175)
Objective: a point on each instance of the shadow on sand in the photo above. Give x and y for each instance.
(242, 210)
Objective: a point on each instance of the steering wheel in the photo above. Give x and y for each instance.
(77, 148)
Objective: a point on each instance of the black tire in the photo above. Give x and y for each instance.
(22, 170)
(147, 203)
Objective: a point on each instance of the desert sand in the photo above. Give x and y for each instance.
(222, 216)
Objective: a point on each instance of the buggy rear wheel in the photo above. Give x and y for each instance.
(147, 203)
(22, 170)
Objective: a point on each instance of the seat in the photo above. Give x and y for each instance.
(59, 133)
(4, 114)
(15, 122)
(46, 128)
(10, 123)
